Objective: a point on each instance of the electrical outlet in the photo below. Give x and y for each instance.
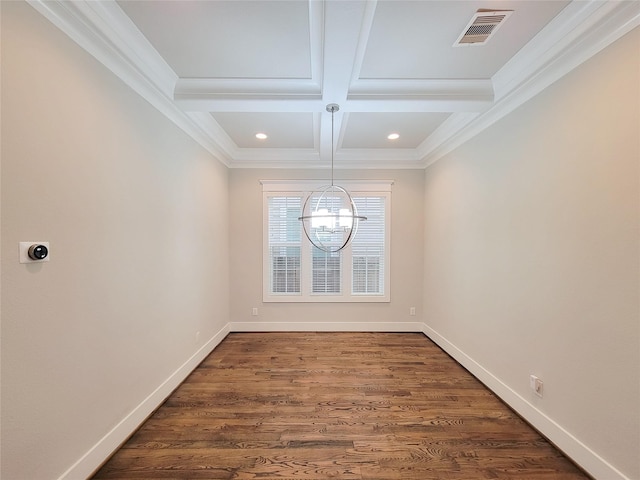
(254, 312)
(536, 385)
(412, 311)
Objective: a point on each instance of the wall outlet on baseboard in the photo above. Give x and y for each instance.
(536, 385)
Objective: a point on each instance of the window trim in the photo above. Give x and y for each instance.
(303, 188)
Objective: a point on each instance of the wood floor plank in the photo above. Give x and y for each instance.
(317, 406)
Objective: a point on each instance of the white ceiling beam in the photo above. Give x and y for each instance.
(253, 104)
(210, 87)
(316, 39)
(294, 95)
(480, 87)
(315, 104)
(342, 29)
(341, 37)
(417, 104)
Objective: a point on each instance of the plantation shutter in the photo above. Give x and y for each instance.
(284, 244)
(368, 247)
(326, 268)
(326, 272)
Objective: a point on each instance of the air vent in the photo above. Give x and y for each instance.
(482, 27)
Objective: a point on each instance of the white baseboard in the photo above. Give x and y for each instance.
(108, 444)
(577, 451)
(326, 327)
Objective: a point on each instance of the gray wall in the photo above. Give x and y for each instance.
(136, 214)
(246, 253)
(531, 253)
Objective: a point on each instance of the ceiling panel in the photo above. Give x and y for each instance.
(284, 130)
(227, 39)
(414, 39)
(370, 130)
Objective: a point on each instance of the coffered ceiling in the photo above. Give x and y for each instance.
(227, 70)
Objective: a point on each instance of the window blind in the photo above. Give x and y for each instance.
(326, 272)
(326, 268)
(284, 244)
(368, 248)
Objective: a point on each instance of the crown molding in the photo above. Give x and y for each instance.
(109, 35)
(579, 32)
(271, 185)
(452, 126)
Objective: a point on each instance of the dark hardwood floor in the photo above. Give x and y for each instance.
(323, 406)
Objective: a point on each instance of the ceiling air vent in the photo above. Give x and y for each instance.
(482, 27)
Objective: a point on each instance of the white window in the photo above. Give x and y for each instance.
(295, 271)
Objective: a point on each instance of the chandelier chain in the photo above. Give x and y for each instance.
(332, 147)
(332, 107)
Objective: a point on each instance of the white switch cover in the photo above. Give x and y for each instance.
(24, 252)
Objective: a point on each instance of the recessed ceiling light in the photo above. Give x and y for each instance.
(261, 136)
(393, 136)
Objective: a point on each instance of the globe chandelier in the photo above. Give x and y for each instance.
(333, 218)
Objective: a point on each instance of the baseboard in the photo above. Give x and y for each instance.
(326, 327)
(577, 451)
(108, 444)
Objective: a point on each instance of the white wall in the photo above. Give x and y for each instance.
(136, 214)
(532, 258)
(246, 256)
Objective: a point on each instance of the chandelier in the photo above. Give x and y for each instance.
(333, 218)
